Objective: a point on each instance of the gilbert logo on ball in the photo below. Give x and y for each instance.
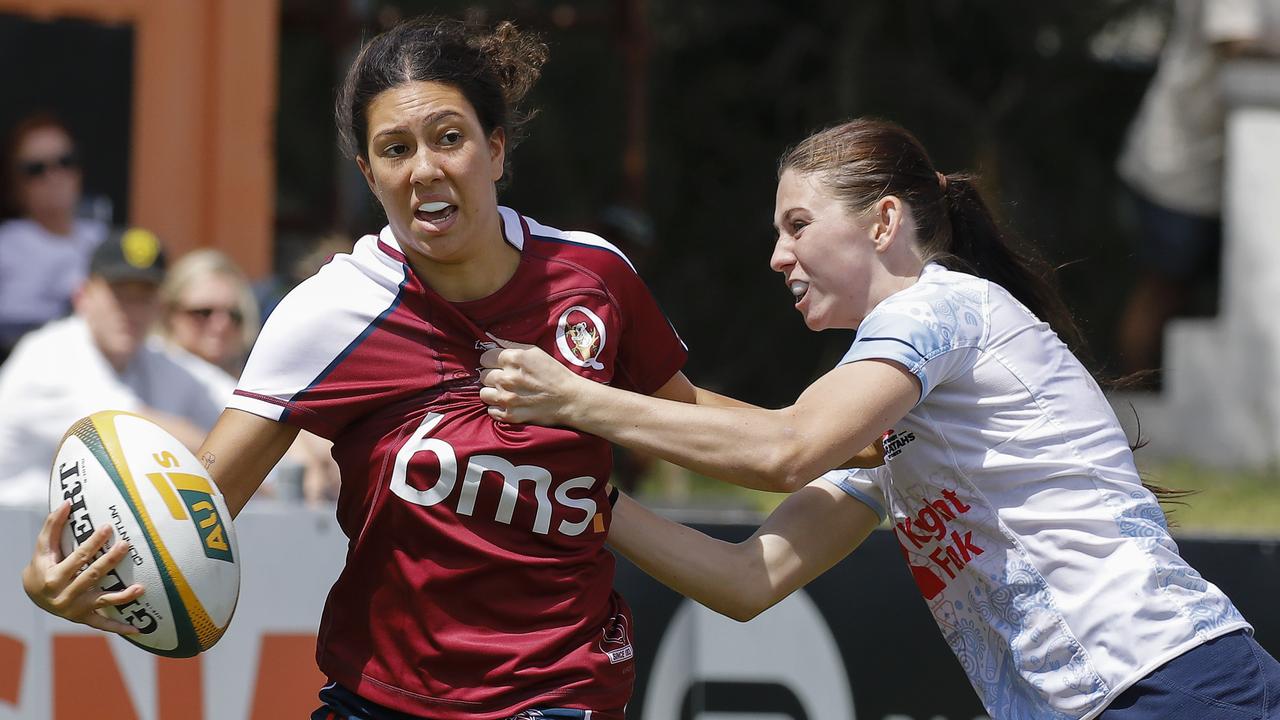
(122, 470)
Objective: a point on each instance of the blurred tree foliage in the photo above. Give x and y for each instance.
(1006, 88)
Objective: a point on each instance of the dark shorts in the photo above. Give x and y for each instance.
(340, 703)
(1174, 244)
(1228, 678)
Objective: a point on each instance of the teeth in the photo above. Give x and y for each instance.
(798, 288)
(433, 206)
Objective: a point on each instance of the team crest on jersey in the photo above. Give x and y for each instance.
(580, 337)
(615, 640)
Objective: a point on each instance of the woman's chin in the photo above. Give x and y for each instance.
(815, 322)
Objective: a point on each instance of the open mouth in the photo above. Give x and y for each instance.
(435, 213)
(799, 289)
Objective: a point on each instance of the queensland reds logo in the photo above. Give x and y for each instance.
(615, 640)
(580, 337)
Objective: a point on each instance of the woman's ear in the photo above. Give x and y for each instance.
(497, 152)
(367, 172)
(886, 221)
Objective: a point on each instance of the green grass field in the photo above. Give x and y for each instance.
(1223, 503)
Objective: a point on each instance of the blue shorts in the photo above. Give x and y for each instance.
(1228, 678)
(1177, 245)
(342, 704)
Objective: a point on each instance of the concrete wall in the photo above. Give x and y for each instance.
(1221, 399)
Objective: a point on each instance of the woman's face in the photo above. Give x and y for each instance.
(825, 253)
(207, 322)
(433, 168)
(47, 175)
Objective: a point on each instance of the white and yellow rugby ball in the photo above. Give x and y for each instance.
(122, 470)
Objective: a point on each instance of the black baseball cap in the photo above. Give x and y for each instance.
(132, 254)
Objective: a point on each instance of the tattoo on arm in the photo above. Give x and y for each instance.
(208, 459)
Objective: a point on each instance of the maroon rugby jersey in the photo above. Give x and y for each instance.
(476, 582)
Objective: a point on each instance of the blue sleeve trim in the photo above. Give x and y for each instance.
(862, 497)
(893, 339)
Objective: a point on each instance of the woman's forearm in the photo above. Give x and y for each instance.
(747, 446)
(744, 579)
(843, 412)
(710, 571)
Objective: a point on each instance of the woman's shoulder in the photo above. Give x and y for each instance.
(949, 303)
(576, 246)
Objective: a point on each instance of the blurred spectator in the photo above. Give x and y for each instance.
(321, 249)
(209, 310)
(44, 248)
(1172, 161)
(101, 358)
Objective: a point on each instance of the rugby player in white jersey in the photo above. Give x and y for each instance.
(1009, 483)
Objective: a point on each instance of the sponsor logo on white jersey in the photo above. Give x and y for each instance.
(894, 442)
(936, 553)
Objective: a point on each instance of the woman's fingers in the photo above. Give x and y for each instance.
(120, 597)
(94, 620)
(64, 570)
(86, 583)
(48, 541)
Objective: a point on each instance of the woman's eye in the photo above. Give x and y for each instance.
(452, 137)
(797, 226)
(395, 150)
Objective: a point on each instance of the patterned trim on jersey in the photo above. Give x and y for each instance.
(351, 347)
(922, 326)
(269, 390)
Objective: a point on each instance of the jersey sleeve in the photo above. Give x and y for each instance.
(298, 371)
(934, 334)
(866, 485)
(650, 351)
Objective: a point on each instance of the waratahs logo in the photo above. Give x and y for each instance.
(894, 442)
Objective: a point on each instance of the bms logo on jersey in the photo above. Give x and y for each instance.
(894, 442)
(552, 497)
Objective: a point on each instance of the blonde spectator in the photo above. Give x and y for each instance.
(209, 309)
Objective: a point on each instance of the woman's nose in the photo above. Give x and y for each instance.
(426, 167)
(782, 257)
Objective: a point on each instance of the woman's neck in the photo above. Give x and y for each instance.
(480, 276)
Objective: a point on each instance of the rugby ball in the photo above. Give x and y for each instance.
(120, 469)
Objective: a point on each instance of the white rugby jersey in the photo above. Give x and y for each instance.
(1013, 493)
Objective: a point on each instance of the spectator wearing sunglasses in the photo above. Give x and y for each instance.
(103, 357)
(44, 247)
(209, 309)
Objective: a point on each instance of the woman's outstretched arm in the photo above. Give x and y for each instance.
(813, 529)
(842, 413)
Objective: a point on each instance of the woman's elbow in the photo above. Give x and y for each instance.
(747, 606)
(784, 470)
